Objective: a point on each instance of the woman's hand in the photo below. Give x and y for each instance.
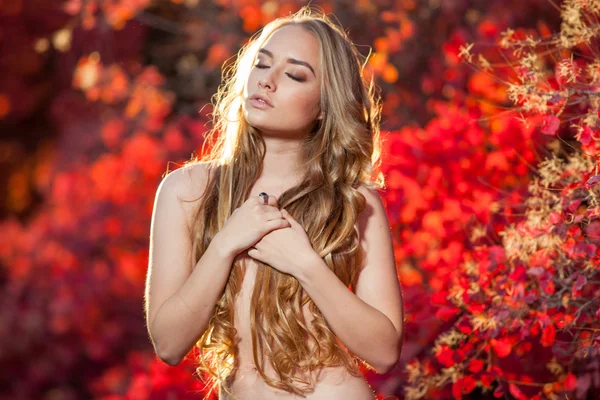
(250, 222)
(288, 250)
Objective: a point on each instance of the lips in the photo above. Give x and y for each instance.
(264, 98)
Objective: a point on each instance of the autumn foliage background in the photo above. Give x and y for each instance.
(491, 128)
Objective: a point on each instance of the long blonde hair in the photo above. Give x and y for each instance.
(339, 155)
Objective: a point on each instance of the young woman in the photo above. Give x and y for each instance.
(273, 254)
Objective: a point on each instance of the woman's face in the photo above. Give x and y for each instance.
(285, 74)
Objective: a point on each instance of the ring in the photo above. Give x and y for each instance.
(265, 197)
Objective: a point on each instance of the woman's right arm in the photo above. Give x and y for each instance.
(179, 300)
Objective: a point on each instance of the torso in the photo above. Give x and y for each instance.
(246, 384)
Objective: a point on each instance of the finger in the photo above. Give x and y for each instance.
(276, 214)
(253, 252)
(262, 198)
(277, 224)
(260, 209)
(291, 219)
(272, 201)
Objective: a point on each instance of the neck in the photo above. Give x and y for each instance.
(282, 159)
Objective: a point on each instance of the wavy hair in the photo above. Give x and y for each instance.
(341, 153)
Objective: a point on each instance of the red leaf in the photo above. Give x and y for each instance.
(469, 384)
(445, 313)
(475, 366)
(501, 346)
(476, 308)
(570, 382)
(497, 160)
(498, 392)
(548, 335)
(554, 217)
(519, 273)
(439, 298)
(582, 250)
(550, 124)
(465, 327)
(486, 380)
(580, 282)
(593, 229)
(446, 356)
(457, 389)
(550, 288)
(593, 180)
(515, 391)
(585, 135)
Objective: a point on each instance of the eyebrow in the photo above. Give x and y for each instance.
(290, 60)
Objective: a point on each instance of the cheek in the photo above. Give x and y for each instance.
(250, 83)
(307, 105)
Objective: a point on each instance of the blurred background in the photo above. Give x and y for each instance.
(99, 98)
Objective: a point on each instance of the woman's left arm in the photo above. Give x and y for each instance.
(370, 322)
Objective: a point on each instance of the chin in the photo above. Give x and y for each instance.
(256, 123)
(259, 123)
(264, 129)
(263, 123)
(253, 119)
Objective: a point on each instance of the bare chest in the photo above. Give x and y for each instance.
(272, 186)
(242, 316)
(245, 383)
(242, 309)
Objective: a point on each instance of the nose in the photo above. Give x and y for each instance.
(265, 84)
(266, 81)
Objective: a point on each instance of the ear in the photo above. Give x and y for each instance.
(320, 117)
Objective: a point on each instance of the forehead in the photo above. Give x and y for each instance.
(292, 41)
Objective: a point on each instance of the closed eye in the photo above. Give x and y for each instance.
(296, 78)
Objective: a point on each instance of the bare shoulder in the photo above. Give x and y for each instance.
(374, 207)
(372, 223)
(188, 180)
(184, 186)
(371, 195)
